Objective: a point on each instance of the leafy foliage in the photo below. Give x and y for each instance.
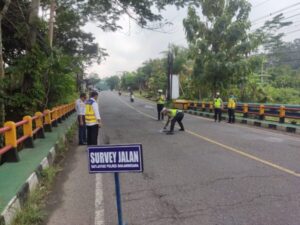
(113, 82)
(220, 42)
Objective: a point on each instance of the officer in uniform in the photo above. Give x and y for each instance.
(231, 109)
(80, 110)
(218, 106)
(160, 105)
(92, 119)
(174, 115)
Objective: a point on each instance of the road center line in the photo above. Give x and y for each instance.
(226, 147)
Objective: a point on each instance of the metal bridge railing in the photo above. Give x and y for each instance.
(29, 129)
(259, 111)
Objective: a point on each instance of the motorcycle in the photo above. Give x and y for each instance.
(131, 98)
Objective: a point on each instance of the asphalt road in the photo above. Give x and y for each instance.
(212, 174)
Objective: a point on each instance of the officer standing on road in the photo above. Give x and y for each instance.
(92, 119)
(131, 95)
(218, 106)
(231, 108)
(160, 104)
(174, 115)
(80, 110)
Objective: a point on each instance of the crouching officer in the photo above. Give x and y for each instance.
(174, 115)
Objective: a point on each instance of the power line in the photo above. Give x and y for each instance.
(259, 4)
(292, 31)
(278, 11)
(292, 16)
(285, 61)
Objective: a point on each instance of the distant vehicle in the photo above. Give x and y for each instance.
(120, 93)
(131, 97)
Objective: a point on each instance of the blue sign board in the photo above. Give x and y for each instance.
(115, 158)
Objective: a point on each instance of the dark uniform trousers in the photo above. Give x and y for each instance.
(218, 114)
(81, 131)
(178, 118)
(92, 134)
(231, 115)
(159, 109)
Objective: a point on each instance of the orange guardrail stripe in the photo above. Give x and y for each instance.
(9, 131)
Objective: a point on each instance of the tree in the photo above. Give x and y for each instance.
(113, 82)
(220, 42)
(4, 8)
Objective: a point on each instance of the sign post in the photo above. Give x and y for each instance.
(116, 159)
(118, 198)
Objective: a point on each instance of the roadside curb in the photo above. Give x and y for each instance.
(31, 183)
(284, 128)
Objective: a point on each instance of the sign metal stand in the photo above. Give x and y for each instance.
(115, 159)
(118, 198)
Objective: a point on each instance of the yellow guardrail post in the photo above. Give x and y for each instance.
(282, 114)
(11, 139)
(261, 112)
(211, 106)
(39, 124)
(48, 120)
(203, 106)
(54, 117)
(27, 130)
(59, 114)
(245, 110)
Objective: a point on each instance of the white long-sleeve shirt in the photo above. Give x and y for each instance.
(80, 107)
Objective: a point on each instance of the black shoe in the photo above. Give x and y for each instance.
(170, 132)
(181, 129)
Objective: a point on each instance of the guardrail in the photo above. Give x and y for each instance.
(32, 128)
(261, 111)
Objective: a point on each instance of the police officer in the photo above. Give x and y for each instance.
(80, 110)
(231, 108)
(174, 115)
(218, 106)
(92, 119)
(160, 104)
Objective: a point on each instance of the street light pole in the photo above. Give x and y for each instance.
(170, 71)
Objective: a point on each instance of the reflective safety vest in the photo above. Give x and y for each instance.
(90, 117)
(217, 103)
(173, 112)
(231, 103)
(161, 100)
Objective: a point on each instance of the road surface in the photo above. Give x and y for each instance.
(212, 174)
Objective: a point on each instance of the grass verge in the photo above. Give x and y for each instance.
(33, 212)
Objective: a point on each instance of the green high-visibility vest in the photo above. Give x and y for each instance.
(173, 112)
(161, 100)
(217, 103)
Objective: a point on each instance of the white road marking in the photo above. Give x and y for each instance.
(149, 107)
(99, 201)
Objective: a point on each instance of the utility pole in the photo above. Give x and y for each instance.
(51, 22)
(170, 71)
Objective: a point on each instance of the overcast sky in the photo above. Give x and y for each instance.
(131, 46)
